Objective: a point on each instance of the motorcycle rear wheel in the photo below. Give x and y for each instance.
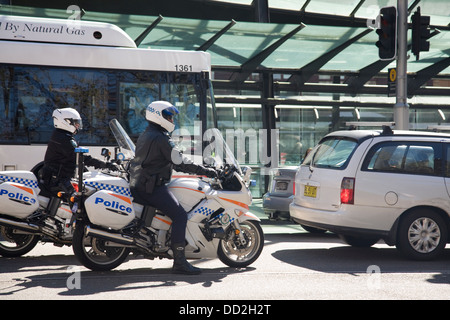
(237, 255)
(16, 245)
(93, 252)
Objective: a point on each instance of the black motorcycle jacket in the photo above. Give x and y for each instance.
(60, 157)
(155, 158)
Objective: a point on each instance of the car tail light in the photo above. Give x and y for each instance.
(348, 190)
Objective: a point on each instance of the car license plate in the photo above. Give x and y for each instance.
(310, 191)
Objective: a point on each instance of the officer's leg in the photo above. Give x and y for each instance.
(164, 200)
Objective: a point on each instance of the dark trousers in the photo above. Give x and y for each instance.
(50, 183)
(164, 200)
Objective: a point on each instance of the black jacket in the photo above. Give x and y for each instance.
(60, 157)
(155, 158)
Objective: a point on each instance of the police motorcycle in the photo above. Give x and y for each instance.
(109, 225)
(26, 217)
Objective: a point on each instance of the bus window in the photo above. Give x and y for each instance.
(28, 104)
(29, 95)
(211, 116)
(11, 116)
(183, 97)
(134, 99)
(136, 94)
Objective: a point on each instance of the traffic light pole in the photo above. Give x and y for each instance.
(401, 107)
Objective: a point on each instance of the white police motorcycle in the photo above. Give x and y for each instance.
(109, 225)
(26, 217)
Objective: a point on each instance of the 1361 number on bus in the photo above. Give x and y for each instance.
(183, 67)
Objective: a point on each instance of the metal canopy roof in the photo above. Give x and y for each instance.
(298, 50)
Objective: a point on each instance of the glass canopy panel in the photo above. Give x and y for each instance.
(356, 56)
(246, 39)
(439, 50)
(431, 58)
(438, 10)
(371, 8)
(133, 25)
(286, 4)
(307, 45)
(340, 8)
(181, 34)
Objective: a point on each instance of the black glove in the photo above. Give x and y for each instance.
(66, 187)
(210, 173)
(112, 166)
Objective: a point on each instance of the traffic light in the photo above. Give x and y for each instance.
(420, 33)
(387, 33)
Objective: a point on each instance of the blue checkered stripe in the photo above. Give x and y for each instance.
(204, 211)
(110, 187)
(207, 212)
(27, 182)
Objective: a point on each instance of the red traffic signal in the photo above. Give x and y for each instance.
(387, 33)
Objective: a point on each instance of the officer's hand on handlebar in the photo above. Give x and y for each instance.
(210, 173)
(219, 173)
(112, 166)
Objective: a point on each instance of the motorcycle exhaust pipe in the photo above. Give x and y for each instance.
(23, 226)
(104, 235)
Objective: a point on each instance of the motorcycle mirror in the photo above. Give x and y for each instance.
(106, 153)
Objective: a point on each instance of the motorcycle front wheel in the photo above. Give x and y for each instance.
(239, 254)
(95, 253)
(15, 244)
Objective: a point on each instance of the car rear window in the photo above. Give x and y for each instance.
(333, 153)
(405, 157)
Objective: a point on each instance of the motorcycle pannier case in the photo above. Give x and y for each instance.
(18, 193)
(110, 210)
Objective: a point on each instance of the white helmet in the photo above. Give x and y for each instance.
(67, 119)
(161, 113)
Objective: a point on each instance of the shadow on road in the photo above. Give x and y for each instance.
(69, 281)
(352, 260)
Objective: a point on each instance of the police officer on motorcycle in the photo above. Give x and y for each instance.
(60, 158)
(151, 169)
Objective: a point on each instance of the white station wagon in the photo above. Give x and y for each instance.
(370, 185)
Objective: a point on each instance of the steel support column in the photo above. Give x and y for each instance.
(401, 107)
(268, 119)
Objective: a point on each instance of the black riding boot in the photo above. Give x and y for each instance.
(180, 264)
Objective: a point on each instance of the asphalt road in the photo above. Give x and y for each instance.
(294, 265)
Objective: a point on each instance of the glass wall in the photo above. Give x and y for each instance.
(300, 128)
(242, 127)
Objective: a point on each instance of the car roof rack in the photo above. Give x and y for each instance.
(385, 125)
(439, 128)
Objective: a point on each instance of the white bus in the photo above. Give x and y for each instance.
(97, 69)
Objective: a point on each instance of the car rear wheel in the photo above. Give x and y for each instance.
(422, 235)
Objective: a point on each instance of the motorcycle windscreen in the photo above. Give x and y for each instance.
(127, 146)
